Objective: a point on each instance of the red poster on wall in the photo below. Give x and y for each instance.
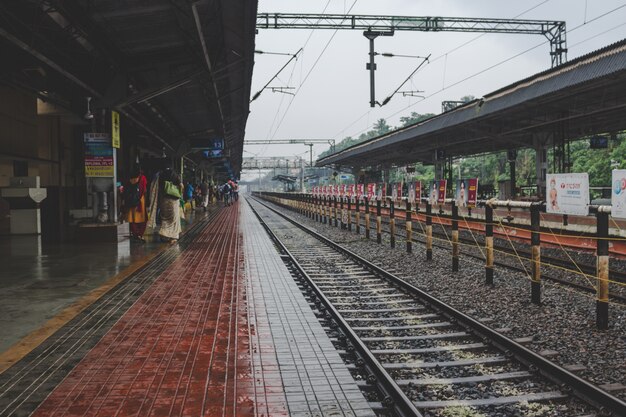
(472, 192)
(371, 191)
(441, 198)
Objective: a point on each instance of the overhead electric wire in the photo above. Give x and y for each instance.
(500, 63)
(425, 60)
(294, 56)
(309, 72)
(456, 48)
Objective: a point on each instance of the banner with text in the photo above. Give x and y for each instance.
(567, 193)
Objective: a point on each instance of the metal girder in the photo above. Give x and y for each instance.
(271, 162)
(330, 142)
(553, 30)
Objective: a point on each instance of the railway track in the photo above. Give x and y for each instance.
(425, 357)
(525, 255)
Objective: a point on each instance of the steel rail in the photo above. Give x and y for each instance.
(398, 399)
(581, 388)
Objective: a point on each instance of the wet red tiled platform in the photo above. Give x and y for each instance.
(223, 331)
(179, 350)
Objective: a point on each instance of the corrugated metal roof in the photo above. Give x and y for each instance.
(595, 66)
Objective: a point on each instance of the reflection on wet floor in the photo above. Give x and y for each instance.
(38, 280)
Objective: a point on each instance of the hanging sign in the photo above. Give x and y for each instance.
(618, 193)
(567, 194)
(115, 129)
(98, 155)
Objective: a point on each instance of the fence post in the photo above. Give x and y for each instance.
(335, 210)
(602, 301)
(349, 201)
(429, 231)
(409, 228)
(343, 224)
(455, 237)
(367, 218)
(489, 244)
(392, 223)
(378, 223)
(357, 216)
(535, 241)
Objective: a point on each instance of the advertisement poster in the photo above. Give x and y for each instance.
(472, 192)
(568, 194)
(98, 155)
(359, 191)
(351, 190)
(618, 194)
(394, 192)
(383, 188)
(441, 198)
(437, 194)
(379, 191)
(336, 190)
(399, 191)
(433, 193)
(461, 193)
(418, 191)
(342, 190)
(371, 190)
(410, 198)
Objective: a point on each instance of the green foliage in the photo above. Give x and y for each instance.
(415, 118)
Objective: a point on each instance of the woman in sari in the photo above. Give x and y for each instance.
(136, 215)
(168, 205)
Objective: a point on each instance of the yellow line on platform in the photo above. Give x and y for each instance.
(38, 336)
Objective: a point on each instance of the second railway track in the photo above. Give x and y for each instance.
(426, 357)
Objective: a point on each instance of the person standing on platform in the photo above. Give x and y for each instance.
(135, 203)
(204, 192)
(171, 189)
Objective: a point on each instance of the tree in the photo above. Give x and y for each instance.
(415, 118)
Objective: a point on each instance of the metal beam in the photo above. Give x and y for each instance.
(553, 30)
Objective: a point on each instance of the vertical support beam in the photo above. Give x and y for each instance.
(349, 201)
(343, 214)
(429, 231)
(357, 218)
(371, 66)
(489, 244)
(409, 229)
(324, 209)
(367, 218)
(392, 224)
(378, 223)
(455, 237)
(535, 241)
(602, 301)
(335, 211)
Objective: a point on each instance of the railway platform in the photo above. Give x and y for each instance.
(213, 325)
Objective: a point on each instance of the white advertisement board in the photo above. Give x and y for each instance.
(618, 193)
(567, 194)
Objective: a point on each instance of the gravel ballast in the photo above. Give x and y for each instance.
(563, 323)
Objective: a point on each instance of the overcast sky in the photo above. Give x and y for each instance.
(332, 99)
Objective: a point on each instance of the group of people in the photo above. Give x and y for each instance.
(166, 203)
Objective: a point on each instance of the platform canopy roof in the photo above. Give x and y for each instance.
(579, 98)
(179, 69)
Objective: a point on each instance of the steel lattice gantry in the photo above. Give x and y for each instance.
(271, 162)
(553, 30)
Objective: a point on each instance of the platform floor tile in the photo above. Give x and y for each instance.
(289, 344)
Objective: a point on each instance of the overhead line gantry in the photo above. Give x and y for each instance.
(374, 26)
